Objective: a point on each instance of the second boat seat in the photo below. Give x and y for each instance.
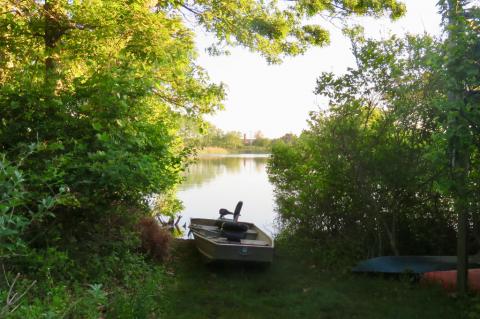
(234, 231)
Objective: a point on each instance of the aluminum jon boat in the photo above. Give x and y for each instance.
(229, 240)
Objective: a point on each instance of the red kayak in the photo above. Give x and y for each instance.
(448, 279)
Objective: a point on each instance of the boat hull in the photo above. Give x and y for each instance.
(256, 247)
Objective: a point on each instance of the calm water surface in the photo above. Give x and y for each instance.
(220, 181)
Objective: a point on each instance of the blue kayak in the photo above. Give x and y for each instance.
(409, 264)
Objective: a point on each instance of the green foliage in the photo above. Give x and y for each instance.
(145, 298)
(287, 139)
(364, 180)
(166, 204)
(215, 137)
(22, 205)
(126, 287)
(12, 224)
(462, 79)
(388, 166)
(275, 29)
(104, 104)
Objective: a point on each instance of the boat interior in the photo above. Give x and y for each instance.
(230, 231)
(218, 231)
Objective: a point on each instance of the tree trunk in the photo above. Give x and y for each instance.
(460, 151)
(53, 32)
(461, 207)
(392, 235)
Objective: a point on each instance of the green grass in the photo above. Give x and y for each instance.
(294, 288)
(248, 149)
(213, 150)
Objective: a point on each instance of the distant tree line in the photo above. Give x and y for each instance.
(234, 140)
(218, 138)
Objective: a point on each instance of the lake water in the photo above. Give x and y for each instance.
(220, 181)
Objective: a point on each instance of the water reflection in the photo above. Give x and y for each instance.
(210, 166)
(220, 181)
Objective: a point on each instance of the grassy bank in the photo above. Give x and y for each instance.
(293, 287)
(242, 150)
(213, 150)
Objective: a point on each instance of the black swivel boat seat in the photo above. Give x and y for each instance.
(232, 230)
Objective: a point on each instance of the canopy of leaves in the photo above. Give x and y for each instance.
(275, 28)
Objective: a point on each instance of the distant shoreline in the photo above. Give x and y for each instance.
(244, 150)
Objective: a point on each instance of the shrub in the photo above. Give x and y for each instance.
(142, 298)
(22, 204)
(155, 239)
(12, 220)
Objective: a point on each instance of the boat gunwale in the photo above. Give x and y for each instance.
(270, 243)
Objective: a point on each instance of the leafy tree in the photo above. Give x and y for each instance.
(232, 140)
(393, 159)
(275, 29)
(261, 140)
(363, 182)
(461, 112)
(288, 138)
(101, 86)
(212, 136)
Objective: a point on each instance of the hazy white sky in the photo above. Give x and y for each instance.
(276, 99)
